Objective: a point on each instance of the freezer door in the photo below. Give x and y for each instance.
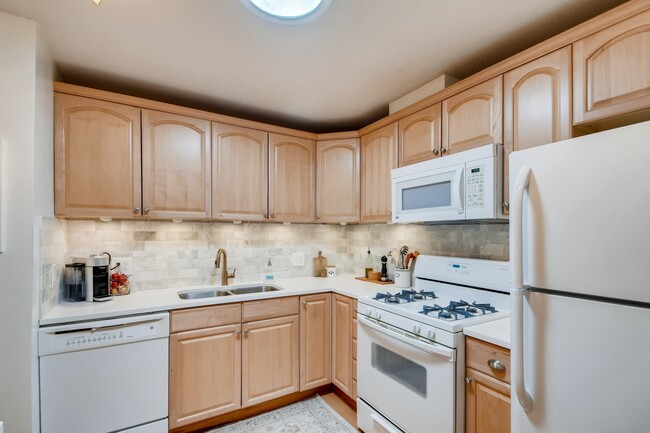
(585, 213)
(586, 366)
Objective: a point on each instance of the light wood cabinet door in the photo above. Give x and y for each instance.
(270, 359)
(292, 179)
(487, 404)
(96, 158)
(611, 71)
(342, 334)
(378, 158)
(420, 135)
(240, 159)
(473, 117)
(175, 166)
(205, 374)
(536, 106)
(315, 341)
(337, 181)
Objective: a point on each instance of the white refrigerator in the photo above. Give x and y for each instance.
(580, 260)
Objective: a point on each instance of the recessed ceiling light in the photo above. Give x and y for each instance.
(287, 11)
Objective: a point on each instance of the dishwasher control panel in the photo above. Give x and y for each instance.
(92, 335)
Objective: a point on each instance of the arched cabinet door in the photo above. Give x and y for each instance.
(419, 136)
(473, 117)
(240, 158)
(96, 158)
(292, 179)
(175, 166)
(536, 106)
(337, 185)
(611, 71)
(378, 158)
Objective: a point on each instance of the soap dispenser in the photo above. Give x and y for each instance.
(268, 275)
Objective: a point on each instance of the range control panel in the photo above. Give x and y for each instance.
(463, 269)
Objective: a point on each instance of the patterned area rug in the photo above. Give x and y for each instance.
(307, 416)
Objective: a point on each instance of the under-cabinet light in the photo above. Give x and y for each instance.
(105, 219)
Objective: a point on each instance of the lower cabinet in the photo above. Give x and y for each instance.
(344, 344)
(270, 359)
(205, 374)
(315, 341)
(487, 393)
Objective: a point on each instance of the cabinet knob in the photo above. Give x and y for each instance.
(272, 216)
(246, 331)
(317, 216)
(468, 380)
(495, 364)
(505, 205)
(304, 303)
(147, 210)
(436, 151)
(266, 215)
(238, 332)
(443, 151)
(136, 211)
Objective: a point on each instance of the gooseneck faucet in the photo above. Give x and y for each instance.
(224, 270)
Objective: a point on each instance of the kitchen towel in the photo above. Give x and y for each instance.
(312, 415)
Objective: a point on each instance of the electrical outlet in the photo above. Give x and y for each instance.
(126, 265)
(298, 259)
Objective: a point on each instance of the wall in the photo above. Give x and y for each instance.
(173, 255)
(25, 131)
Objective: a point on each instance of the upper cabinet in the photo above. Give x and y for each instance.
(611, 71)
(97, 158)
(240, 159)
(419, 136)
(536, 105)
(175, 166)
(378, 158)
(292, 179)
(337, 181)
(473, 117)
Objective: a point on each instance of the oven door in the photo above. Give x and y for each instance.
(430, 195)
(409, 382)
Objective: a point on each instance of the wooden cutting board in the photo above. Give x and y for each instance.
(374, 281)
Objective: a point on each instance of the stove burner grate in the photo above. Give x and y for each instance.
(457, 310)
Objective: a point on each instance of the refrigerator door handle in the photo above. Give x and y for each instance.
(516, 220)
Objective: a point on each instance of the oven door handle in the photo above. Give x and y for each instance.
(389, 428)
(432, 348)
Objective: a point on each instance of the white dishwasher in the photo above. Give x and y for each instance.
(105, 376)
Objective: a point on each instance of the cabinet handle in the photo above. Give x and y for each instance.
(468, 380)
(505, 205)
(443, 151)
(136, 211)
(147, 210)
(495, 364)
(436, 151)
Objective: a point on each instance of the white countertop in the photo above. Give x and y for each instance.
(495, 332)
(149, 301)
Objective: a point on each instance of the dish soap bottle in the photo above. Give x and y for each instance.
(369, 267)
(268, 275)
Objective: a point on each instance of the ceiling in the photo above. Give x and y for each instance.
(338, 72)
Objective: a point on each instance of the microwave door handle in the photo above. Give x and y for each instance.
(519, 289)
(433, 349)
(460, 188)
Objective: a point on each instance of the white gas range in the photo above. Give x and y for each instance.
(411, 357)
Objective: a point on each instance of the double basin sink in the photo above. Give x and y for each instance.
(214, 292)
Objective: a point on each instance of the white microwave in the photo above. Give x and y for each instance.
(464, 186)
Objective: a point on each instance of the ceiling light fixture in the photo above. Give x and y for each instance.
(287, 11)
(97, 2)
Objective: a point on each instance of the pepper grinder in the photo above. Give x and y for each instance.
(384, 269)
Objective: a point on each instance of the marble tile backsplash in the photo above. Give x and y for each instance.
(54, 245)
(167, 255)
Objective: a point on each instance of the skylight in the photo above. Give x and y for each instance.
(287, 11)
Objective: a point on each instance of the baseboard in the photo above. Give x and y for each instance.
(247, 412)
(346, 398)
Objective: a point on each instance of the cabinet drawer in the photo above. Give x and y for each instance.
(205, 317)
(269, 308)
(479, 355)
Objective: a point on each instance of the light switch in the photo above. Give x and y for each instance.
(298, 259)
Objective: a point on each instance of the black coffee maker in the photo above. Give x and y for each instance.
(97, 276)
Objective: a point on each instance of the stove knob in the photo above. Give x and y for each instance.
(377, 315)
(417, 329)
(431, 334)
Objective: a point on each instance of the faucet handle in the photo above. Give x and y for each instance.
(231, 275)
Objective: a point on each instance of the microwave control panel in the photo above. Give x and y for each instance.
(475, 187)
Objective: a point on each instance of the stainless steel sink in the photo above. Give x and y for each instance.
(226, 291)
